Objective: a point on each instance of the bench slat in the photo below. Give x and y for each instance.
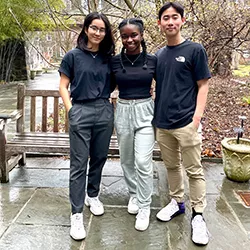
(41, 141)
(56, 114)
(33, 114)
(44, 114)
(50, 144)
(37, 138)
(42, 92)
(49, 134)
(21, 148)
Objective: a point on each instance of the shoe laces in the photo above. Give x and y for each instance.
(77, 220)
(142, 214)
(199, 224)
(94, 201)
(172, 206)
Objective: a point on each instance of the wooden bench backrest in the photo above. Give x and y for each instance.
(24, 93)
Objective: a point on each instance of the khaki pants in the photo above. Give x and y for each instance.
(183, 143)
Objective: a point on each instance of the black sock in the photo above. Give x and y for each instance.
(194, 213)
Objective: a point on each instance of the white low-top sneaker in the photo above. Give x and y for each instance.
(142, 219)
(96, 206)
(200, 235)
(171, 210)
(77, 231)
(133, 206)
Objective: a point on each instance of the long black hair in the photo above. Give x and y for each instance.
(139, 23)
(107, 45)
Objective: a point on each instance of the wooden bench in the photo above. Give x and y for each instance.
(51, 137)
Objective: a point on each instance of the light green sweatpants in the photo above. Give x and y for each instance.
(136, 142)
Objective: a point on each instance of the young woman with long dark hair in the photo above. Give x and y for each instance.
(86, 69)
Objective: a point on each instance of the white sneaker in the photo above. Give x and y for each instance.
(132, 205)
(142, 219)
(200, 234)
(171, 210)
(77, 231)
(96, 207)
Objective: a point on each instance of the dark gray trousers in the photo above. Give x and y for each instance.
(91, 126)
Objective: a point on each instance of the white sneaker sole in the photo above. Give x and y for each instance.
(78, 238)
(141, 228)
(133, 211)
(162, 218)
(91, 210)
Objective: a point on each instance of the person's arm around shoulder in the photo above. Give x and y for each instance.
(63, 89)
(112, 75)
(153, 60)
(200, 101)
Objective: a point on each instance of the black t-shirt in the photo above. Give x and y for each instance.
(178, 70)
(89, 77)
(135, 82)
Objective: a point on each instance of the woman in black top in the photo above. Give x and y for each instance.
(86, 69)
(133, 72)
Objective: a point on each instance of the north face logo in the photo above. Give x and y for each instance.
(180, 59)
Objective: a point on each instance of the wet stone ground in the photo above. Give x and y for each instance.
(34, 212)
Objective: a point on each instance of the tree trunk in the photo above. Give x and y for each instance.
(12, 61)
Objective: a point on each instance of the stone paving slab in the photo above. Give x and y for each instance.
(226, 231)
(12, 201)
(38, 237)
(115, 230)
(60, 162)
(25, 177)
(243, 215)
(48, 206)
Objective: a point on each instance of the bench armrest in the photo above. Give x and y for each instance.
(12, 116)
(5, 118)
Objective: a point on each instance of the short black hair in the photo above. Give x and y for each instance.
(177, 6)
(107, 45)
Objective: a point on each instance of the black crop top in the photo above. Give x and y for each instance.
(135, 82)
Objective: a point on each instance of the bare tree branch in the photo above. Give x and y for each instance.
(115, 6)
(131, 7)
